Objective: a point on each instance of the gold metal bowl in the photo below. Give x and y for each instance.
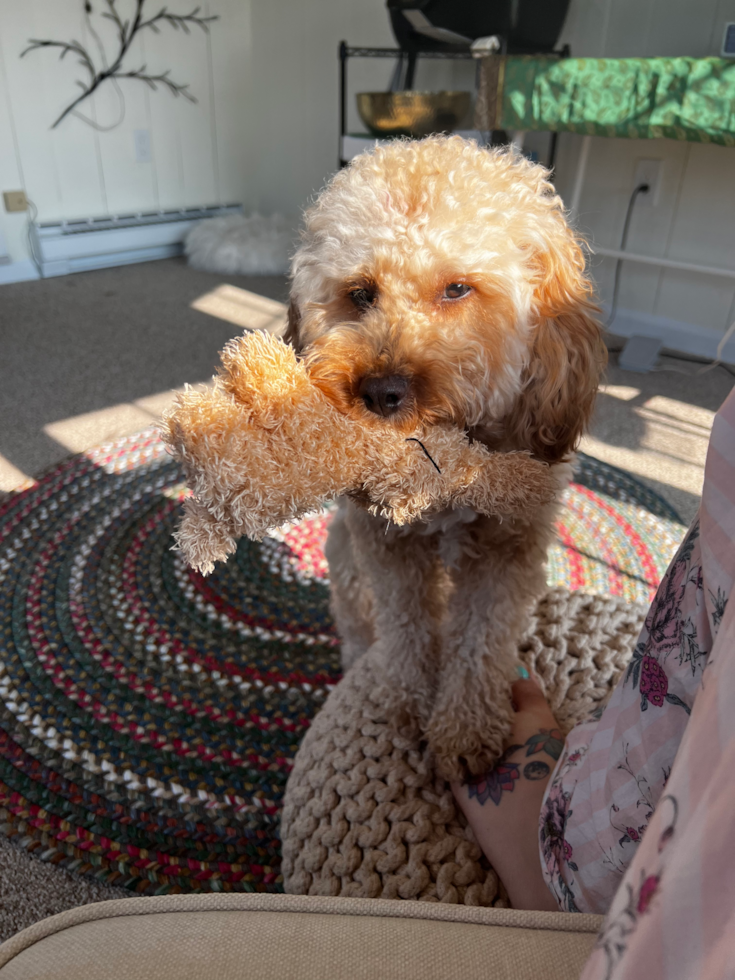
(413, 113)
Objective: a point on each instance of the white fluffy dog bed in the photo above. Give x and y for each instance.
(244, 244)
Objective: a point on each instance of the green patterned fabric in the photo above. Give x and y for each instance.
(639, 98)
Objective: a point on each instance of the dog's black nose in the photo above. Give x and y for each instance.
(383, 395)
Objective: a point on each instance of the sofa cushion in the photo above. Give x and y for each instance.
(279, 937)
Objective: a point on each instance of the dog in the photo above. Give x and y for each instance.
(437, 281)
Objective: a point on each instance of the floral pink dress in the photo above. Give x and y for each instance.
(638, 820)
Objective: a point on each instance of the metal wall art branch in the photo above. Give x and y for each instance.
(127, 30)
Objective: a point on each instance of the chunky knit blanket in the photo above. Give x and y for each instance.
(365, 814)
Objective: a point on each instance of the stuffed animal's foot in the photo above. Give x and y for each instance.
(469, 728)
(202, 539)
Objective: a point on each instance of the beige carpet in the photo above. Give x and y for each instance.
(94, 356)
(31, 890)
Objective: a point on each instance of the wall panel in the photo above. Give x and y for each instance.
(130, 185)
(181, 130)
(233, 88)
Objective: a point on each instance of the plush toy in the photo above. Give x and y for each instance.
(264, 446)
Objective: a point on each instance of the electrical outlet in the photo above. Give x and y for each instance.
(648, 172)
(15, 200)
(728, 41)
(142, 139)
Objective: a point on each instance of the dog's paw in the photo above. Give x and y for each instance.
(401, 716)
(406, 694)
(468, 731)
(407, 712)
(467, 752)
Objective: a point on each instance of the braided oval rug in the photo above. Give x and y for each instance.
(149, 717)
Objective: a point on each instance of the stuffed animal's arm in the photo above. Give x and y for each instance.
(265, 446)
(439, 467)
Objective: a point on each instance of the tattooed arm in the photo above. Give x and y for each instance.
(503, 806)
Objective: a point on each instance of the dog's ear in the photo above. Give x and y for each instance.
(567, 355)
(292, 333)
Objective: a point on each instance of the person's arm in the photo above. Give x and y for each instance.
(503, 806)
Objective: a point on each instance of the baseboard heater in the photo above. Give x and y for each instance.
(61, 247)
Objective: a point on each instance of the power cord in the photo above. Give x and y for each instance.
(718, 355)
(640, 189)
(30, 221)
(708, 364)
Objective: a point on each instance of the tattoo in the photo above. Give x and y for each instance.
(501, 778)
(536, 770)
(491, 785)
(548, 740)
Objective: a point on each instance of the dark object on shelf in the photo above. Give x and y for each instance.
(414, 114)
(519, 27)
(526, 26)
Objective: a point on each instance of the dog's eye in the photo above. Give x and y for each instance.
(456, 290)
(363, 298)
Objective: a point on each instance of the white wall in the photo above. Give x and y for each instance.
(694, 220)
(264, 131)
